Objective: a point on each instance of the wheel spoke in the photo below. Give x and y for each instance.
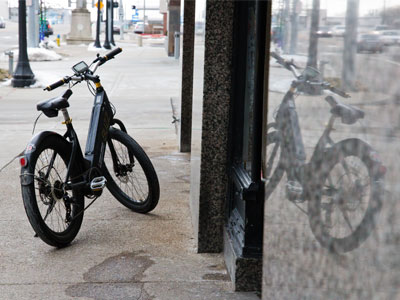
(346, 217)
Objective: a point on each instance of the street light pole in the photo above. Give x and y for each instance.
(107, 42)
(112, 24)
(97, 41)
(23, 75)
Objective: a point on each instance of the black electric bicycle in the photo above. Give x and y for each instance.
(56, 176)
(343, 182)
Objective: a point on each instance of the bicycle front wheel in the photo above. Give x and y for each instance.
(343, 209)
(55, 213)
(274, 169)
(130, 175)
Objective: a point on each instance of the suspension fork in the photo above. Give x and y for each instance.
(114, 155)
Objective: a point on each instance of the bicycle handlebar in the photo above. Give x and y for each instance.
(57, 84)
(284, 62)
(339, 92)
(100, 60)
(291, 66)
(109, 55)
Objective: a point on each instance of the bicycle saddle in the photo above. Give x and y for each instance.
(51, 107)
(348, 114)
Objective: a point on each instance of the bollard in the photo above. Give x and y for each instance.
(322, 64)
(140, 40)
(58, 40)
(177, 36)
(10, 62)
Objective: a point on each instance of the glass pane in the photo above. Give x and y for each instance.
(332, 216)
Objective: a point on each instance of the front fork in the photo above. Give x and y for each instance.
(119, 169)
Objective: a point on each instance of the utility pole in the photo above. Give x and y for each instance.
(296, 9)
(285, 38)
(107, 42)
(383, 21)
(144, 16)
(313, 45)
(121, 20)
(33, 24)
(350, 45)
(23, 75)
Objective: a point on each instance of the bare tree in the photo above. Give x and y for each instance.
(350, 46)
(313, 46)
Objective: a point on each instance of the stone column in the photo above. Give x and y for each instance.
(209, 177)
(187, 75)
(81, 29)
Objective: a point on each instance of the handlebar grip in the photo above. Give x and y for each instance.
(56, 84)
(339, 92)
(110, 55)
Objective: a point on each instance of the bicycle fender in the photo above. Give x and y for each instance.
(26, 175)
(120, 124)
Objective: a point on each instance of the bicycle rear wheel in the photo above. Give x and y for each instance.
(343, 211)
(55, 214)
(130, 175)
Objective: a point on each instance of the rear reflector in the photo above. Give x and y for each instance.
(382, 170)
(22, 161)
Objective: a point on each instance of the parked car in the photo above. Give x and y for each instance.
(48, 30)
(339, 30)
(370, 43)
(139, 27)
(2, 23)
(390, 37)
(381, 27)
(324, 31)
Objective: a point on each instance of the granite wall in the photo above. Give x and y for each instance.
(209, 161)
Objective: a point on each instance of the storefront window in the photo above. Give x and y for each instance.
(331, 226)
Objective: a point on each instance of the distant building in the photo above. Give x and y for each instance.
(4, 9)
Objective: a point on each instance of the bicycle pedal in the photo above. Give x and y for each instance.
(294, 191)
(98, 183)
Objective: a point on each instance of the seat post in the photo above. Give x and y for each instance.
(67, 119)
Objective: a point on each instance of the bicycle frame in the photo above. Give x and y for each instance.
(293, 159)
(100, 122)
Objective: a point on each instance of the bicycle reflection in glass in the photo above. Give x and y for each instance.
(343, 182)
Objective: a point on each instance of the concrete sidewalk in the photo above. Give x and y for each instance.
(117, 254)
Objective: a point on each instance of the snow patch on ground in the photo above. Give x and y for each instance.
(41, 54)
(34, 54)
(43, 79)
(92, 48)
(48, 44)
